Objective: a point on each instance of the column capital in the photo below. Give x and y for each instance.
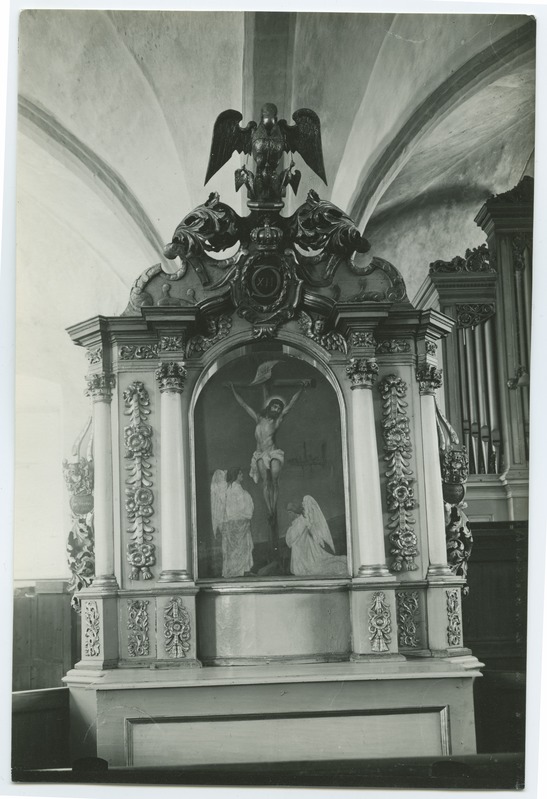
(429, 378)
(99, 386)
(171, 376)
(362, 372)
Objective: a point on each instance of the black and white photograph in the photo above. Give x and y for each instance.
(275, 283)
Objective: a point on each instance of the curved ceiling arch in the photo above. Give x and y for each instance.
(379, 170)
(74, 154)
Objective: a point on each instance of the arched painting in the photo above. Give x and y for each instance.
(269, 482)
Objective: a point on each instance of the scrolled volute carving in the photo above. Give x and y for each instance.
(473, 314)
(319, 225)
(213, 226)
(171, 376)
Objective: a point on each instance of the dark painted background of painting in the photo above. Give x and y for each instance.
(310, 437)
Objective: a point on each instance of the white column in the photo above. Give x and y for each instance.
(369, 558)
(173, 496)
(430, 378)
(99, 388)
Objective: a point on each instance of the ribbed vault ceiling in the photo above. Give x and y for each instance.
(423, 116)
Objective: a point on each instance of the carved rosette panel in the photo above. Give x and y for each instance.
(171, 376)
(171, 343)
(407, 618)
(379, 625)
(217, 329)
(393, 345)
(138, 640)
(92, 622)
(429, 378)
(141, 553)
(399, 493)
(361, 338)
(362, 372)
(176, 628)
(431, 348)
(454, 628)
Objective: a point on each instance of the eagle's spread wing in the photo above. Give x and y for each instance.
(228, 136)
(305, 138)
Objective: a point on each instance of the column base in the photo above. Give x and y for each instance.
(103, 583)
(378, 570)
(437, 570)
(174, 576)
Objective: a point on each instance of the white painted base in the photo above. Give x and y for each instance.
(274, 713)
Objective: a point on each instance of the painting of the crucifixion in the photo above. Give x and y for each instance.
(269, 487)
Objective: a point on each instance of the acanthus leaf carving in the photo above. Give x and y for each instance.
(91, 629)
(399, 492)
(393, 345)
(478, 259)
(454, 627)
(138, 628)
(407, 618)
(473, 314)
(176, 628)
(362, 372)
(379, 623)
(139, 496)
(217, 329)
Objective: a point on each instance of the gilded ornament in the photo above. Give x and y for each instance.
(454, 628)
(473, 314)
(99, 386)
(393, 345)
(139, 496)
(362, 372)
(171, 343)
(315, 329)
(176, 628)
(217, 329)
(478, 259)
(407, 618)
(379, 623)
(138, 352)
(138, 640)
(399, 493)
(171, 376)
(80, 542)
(361, 338)
(94, 356)
(429, 378)
(92, 644)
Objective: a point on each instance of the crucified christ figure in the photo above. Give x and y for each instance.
(267, 460)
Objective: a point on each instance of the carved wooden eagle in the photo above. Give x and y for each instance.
(267, 140)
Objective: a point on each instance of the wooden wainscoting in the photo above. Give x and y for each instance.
(494, 625)
(45, 635)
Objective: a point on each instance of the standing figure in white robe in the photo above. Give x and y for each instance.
(232, 510)
(307, 536)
